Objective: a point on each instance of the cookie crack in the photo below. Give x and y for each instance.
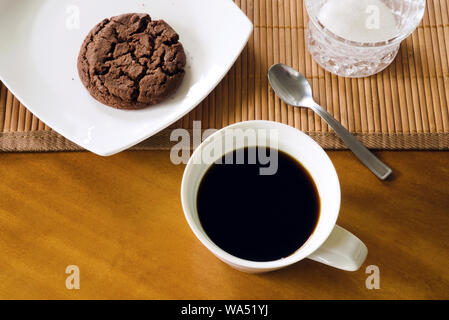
(92, 37)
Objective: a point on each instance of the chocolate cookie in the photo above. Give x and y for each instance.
(131, 62)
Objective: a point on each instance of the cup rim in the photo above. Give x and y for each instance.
(393, 41)
(298, 255)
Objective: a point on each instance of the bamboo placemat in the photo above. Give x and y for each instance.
(403, 108)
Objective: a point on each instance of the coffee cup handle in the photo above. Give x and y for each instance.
(341, 250)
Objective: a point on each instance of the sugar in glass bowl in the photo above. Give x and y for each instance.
(359, 38)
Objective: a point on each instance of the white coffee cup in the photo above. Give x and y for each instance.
(328, 244)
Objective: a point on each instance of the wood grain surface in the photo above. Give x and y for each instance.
(120, 220)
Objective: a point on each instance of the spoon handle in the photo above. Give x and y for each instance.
(380, 169)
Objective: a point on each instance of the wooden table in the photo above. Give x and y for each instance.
(120, 221)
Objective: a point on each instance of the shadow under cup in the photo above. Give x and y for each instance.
(276, 136)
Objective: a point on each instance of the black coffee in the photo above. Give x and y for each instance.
(258, 217)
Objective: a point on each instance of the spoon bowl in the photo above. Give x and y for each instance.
(290, 85)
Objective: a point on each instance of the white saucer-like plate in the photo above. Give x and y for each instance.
(39, 45)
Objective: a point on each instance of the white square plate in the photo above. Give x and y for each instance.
(39, 45)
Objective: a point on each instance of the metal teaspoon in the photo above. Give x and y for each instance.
(294, 89)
